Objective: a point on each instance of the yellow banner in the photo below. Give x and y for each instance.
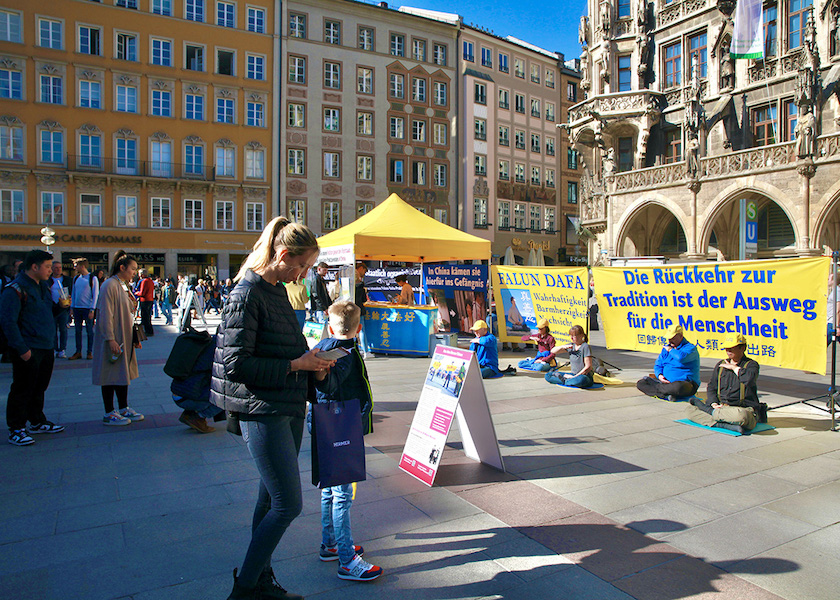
(524, 295)
(779, 305)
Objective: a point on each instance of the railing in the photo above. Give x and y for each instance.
(753, 159)
(652, 176)
(140, 168)
(672, 11)
(621, 102)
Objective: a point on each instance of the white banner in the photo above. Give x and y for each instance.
(748, 36)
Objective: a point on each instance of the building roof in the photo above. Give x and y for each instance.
(434, 15)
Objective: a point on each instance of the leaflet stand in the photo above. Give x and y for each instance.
(184, 319)
(831, 398)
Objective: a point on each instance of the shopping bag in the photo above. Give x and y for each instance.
(338, 443)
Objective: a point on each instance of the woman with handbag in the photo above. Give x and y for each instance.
(262, 377)
(115, 337)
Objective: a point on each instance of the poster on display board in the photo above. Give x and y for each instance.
(453, 390)
(460, 292)
(525, 295)
(778, 305)
(381, 287)
(337, 255)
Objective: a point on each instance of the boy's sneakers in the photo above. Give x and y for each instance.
(19, 437)
(330, 554)
(46, 427)
(115, 418)
(130, 413)
(359, 570)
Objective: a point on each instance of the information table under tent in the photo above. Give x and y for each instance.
(396, 231)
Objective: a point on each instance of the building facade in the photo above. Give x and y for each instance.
(674, 133)
(369, 105)
(519, 184)
(138, 124)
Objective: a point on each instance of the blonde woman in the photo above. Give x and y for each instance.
(262, 374)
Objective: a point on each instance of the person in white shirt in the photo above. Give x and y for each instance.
(60, 286)
(83, 303)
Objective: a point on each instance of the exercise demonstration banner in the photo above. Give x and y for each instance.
(779, 305)
(524, 295)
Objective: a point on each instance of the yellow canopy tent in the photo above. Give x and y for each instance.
(397, 231)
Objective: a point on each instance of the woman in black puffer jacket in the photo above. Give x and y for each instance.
(262, 377)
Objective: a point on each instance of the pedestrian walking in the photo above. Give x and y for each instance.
(158, 295)
(114, 356)
(262, 376)
(60, 287)
(26, 317)
(84, 295)
(146, 293)
(168, 301)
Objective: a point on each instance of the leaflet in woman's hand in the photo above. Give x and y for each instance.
(334, 354)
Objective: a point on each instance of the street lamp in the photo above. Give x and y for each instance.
(48, 237)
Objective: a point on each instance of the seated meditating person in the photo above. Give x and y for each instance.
(486, 351)
(580, 361)
(676, 373)
(732, 394)
(545, 342)
(514, 317)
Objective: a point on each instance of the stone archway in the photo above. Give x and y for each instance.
(652, 230)
(827, 229)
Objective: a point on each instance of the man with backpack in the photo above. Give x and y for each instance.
(84, 296)
(26, 318)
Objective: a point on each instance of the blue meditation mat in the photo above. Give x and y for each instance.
(757, 429)
(594, 386)
(530, 370)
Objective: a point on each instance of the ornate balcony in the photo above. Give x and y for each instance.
(620, 104)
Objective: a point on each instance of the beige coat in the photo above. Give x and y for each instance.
(114, 320)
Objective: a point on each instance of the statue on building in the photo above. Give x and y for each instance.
(608, 162)
(643, 49)
(692, 156)
(805, 132)
(727, 68)
(583, 31)
(585, 77)
(641, 16)
(604, 16)
(641, 148)
(835, 30)
(604, 62)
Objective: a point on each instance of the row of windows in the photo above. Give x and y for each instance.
(296, 209)
(536, 217)
(50, 31)
(519, 102)
(52, 210)
(331, 163)
(365, 39)
(126, 159)
(125, 99)
(535, 69)
(519, 175)
(480, 131)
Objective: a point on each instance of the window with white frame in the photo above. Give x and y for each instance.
(504, 99)
(440, 175)
(297, 69)
(90, 40)
(480, 93)
(364, 123)
(519, 215)
(161, 52)
(194, 57)
(225, 161)
(469, 51)
(519, 68)
(332, 214)
(11, 142)
(549, 78)
(90, 210)
(535, 217)
(161, 159)
(194, 160)
(397, 87)
(439, 54)
(254, 216)
(224, 215)
(480, 212)
(332, 32)
(418, 130)
(418, 173)
(418, 50)
(440, 93)
(332, 75)
(126, 47)
(519, 172)
(162, 103)
(504, 214)
(194, 10)
(519, 136)
(297, 26)
(126, 211)
(440, 134)
(481, 164)
(225, 110)
(193, 213)
(572, 192)
(397, 44)
(363, 208)
(296, 161)
(225, 14)
(504, 170)
(256, 19)
(11, 84)
(297, 115)
(519, 103)
(503, 63)
(397, 129)
(255, 67)
(90, 151)
(549, 178)
(535, 108)
(126, 99)
(132, 4)
(536, 145)
(535, 73)
(10, 26)
(549, 146)
(480, 129)
(549, 111)
(487, 57)
(255, 163)
(126, 163)
(161, 7)
(49, 34)
(194, 107)
(396, 170)
(365, 38)
(364, 168)
(52, 87)
(161, 213)
(225, 62)
(441, 215)
(11, 206)
(332, 119)
(297, 211)
(504, 135)
(332, 165)
(535, 176)
(255, 114)
(418, 89)
(52, 146)
(52, 208)
(364, 77)
(549, 222)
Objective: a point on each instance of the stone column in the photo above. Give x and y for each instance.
(806, 169)
(691, 239)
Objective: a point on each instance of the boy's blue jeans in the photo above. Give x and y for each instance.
(335, 521)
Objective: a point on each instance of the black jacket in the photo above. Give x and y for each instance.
(725, 387)
(347, 381)
(258, 338)
(26, 314)
(321, 298)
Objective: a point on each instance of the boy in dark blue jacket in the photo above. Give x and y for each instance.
(347, 380)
